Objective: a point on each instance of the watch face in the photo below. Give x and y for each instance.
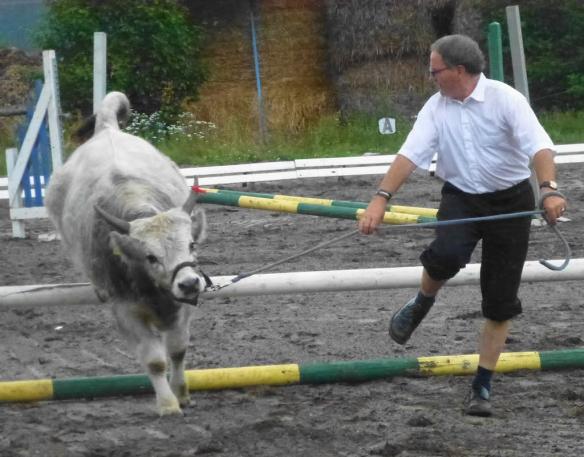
(550, 184)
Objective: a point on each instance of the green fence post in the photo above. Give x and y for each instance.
(495, 52)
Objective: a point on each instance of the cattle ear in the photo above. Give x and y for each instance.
(127, 247)
(199, 225)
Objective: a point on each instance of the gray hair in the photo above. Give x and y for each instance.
(460, 50)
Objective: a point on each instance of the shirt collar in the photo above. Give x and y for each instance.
(478, 93)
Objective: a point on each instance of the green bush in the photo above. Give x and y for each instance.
(552, 38)
(153, 51)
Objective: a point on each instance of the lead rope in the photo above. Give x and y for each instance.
(241, 276)
(468, 220)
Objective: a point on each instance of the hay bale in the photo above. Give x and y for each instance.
(468, 20)
(379, 49)
(387, 86)
(225, 104)
(229, 93)
(292, 48)
(364, 30)
(293, 58)
(293, 105)
(292, 45)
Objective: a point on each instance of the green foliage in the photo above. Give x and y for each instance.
(552, 39)
(153, 51)
(553, 42)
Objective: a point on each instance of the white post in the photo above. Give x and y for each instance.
(99, 68)
(519, 68)
(517, 54)
(54, 108)
(18, 230)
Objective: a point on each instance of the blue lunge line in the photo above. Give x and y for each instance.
(467, 220)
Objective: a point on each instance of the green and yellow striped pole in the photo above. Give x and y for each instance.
(310, 206)
(273, 375)
(419, 211)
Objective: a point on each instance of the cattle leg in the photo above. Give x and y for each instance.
(150, 349)
(153, 357)
(177, 341)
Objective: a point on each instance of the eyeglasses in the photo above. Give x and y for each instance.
(433, 73)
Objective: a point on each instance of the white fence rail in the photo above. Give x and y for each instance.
(275, 171)
(313, 168)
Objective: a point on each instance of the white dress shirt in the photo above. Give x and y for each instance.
(484, 143)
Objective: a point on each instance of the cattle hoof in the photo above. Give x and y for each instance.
(183, 395)
(184, 401)
(169, 406)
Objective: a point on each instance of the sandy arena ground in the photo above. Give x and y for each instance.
(537, 413)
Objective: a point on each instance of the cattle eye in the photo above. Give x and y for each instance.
(192, 246)
(151, 258)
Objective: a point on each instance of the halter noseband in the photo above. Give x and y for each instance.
(180, 266)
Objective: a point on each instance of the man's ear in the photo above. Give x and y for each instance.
(199, 225)
(127, 247)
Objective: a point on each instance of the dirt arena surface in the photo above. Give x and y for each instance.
(537, 413)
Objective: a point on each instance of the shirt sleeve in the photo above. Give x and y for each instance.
(422, 141)
(527, 131)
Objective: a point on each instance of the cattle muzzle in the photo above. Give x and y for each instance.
(192, 285)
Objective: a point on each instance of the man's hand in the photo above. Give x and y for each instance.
(373, 215)
(554, 206)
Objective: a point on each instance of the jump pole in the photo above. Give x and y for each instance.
(289, 283)
(419, 211)
(299, 207)
(274, 375)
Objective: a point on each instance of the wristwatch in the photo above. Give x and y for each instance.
(383, 193)
(549, 184)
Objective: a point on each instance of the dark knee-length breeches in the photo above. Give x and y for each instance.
(504, 244)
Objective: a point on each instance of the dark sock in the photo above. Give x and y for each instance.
(423, 300)
(482, 379)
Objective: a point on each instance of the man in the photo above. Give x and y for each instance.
(485, 134)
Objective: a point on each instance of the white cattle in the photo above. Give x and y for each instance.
(123, 211)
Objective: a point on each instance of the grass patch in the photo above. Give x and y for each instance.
(329, 138)
(564, 127)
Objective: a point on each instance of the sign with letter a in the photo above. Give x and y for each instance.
(387, 125)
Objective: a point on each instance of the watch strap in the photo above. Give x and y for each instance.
(384, 194)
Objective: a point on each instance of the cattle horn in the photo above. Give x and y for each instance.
(189, 205)
(120, 224)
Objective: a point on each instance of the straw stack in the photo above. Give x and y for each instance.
(228, 96)
(378, 49)
(292, 50)
(318, 57)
